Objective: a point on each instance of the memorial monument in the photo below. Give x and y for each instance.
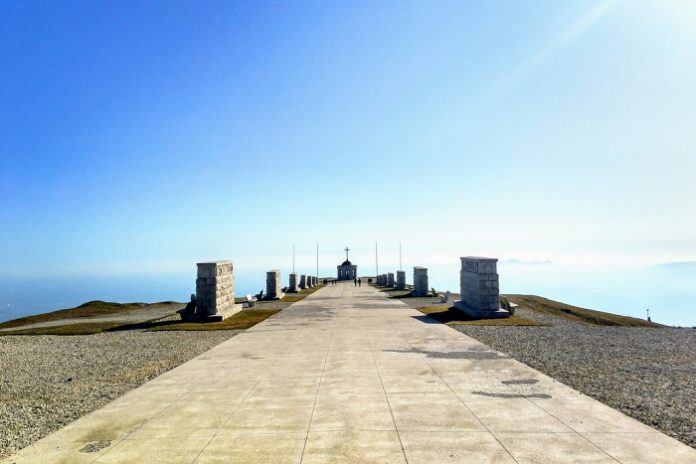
(214, 298)
(273, 285)
(420, 281)
(478, 284)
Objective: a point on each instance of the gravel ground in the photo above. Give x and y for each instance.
(47, 382)
(648, 374)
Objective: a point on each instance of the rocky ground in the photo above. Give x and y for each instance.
(646, 373)
(47, 381)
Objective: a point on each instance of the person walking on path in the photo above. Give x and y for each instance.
(355, 281)
(359, 282)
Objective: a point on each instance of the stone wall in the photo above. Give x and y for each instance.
(420, 281)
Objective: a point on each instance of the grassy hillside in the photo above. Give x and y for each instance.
(576, 314)
(91, 309)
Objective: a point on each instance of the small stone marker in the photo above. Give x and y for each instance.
(420, 281)
(478, 283)
(446, 297)
(273, 289)
(214, 299)
(292, 287)
(390, 280)
(400, 280)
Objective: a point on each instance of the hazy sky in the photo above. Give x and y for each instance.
(146, 136)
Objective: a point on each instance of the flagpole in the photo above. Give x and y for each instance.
(401, 264)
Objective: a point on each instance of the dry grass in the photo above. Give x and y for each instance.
(84, 328)
(240, 321)
(453, 316)
(576, 314)
(94, 309)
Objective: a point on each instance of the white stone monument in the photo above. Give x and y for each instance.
(292, 284)
(214, 300)
(420, 281)
(273, 285)
(478, 285)
(400, 280)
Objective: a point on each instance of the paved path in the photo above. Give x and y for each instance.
(349, 376)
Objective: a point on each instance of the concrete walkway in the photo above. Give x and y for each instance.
(349, 376)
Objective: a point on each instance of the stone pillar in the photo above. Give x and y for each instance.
(309, 282)
(292, 285)
(273, 288)
(400, 280)
(303, 281)
(479, 287)
(214, 292)
(420, 281)
(390, 280)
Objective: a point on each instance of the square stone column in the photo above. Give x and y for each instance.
(478, 285)
(420, 281)
(292, 284)
(400, 280)
(273, 285)
(214, 292)
(303, 281)
(390, 279)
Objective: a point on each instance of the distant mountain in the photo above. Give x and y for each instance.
(527, 262)
(679, 266)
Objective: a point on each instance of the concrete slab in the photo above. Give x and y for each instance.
(348, 375)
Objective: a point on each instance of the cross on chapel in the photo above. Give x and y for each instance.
(347, 270)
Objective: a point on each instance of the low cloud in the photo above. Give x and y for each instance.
(525, 262)
(681, 266)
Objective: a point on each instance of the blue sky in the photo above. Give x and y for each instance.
(142, 137)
